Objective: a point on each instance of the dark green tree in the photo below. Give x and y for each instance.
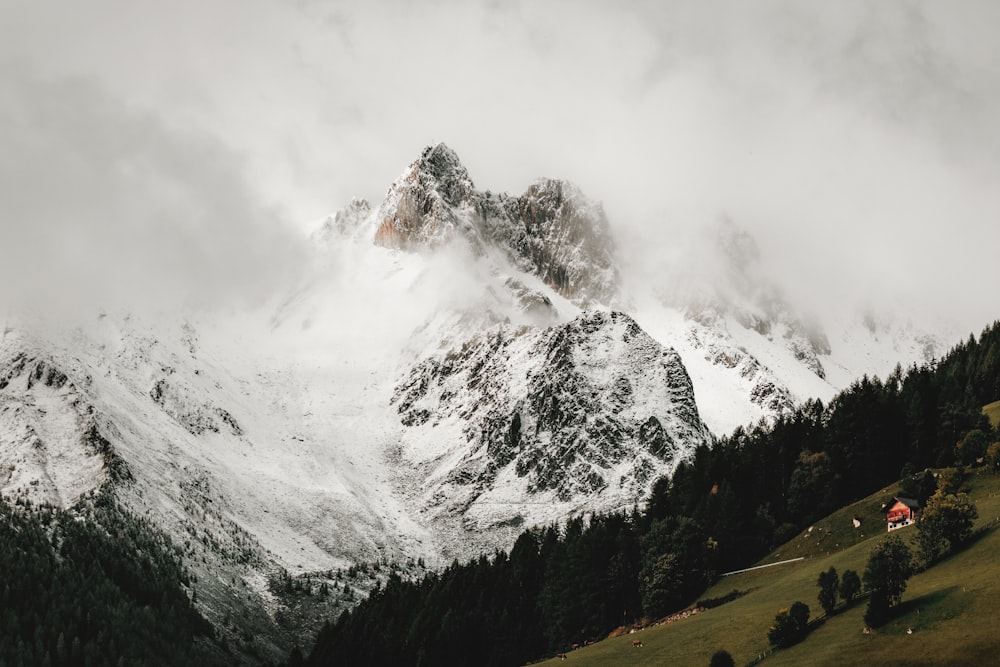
(947, 518)
(675, 565)
(972, 448)
(890, 564)
(919, 486)
(850, 586)
(811, 487)
(953, 480)
(828, 583)
(789, 625)
(662, 585)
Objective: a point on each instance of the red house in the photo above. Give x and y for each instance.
(902, 512)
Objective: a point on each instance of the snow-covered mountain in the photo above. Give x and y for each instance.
(458, 365)
(754, 353)
(523, 425)
(551, 231)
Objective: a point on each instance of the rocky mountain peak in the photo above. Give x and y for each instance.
(552, 230)
(425, 204)
(440, 167)
(565, 239)
(587, 413)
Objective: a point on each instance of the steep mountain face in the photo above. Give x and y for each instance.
(51, 443)
(455, 367)
(551, 231)
(520, 425)
(219, 451)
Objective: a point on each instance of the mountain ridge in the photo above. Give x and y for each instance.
(455, 366)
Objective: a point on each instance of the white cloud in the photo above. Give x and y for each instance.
(858, 140)
(103, 205)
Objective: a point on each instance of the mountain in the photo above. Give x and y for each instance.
(457, 365)
(551, 231)
(525, 426)
(759, 353)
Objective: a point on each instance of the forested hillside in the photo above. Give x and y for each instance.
(722, 510)
(94, 586)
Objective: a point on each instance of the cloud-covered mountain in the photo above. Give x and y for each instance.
(457, 365)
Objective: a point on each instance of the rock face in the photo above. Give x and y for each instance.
(552, 230)
(587, 413)
(51, 443)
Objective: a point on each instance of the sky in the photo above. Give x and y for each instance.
(145, 146)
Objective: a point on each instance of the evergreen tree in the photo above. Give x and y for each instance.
(972, 448)
(828, 583)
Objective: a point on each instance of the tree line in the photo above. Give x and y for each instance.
(723, 509)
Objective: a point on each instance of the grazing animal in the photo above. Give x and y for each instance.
(561, 656)
(636, 643)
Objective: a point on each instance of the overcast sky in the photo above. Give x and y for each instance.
(858, 141)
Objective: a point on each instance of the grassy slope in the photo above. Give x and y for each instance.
(993, 412)
(957, 600)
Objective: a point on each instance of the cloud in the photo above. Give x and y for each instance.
(106, 205)
(857, 140)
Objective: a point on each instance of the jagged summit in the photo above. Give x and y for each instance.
(426, 203)
(552, 230)
(441, 164)
(521, 424)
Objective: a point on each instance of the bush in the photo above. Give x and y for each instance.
(789, 625)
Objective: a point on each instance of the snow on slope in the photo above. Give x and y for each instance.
(458, 365)
(751, 353)
(523, 426)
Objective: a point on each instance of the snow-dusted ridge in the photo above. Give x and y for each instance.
(457, 365)
(522, 426)
(552, 231)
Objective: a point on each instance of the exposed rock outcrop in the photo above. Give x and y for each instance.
(552, 230)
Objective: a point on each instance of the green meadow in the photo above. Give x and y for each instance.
(948, 614)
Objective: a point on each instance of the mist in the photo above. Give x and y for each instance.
(184, 150)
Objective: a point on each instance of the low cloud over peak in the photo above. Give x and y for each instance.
(856, 141)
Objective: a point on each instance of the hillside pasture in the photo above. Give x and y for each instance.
(950, 608)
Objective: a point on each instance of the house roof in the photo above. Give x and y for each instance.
(909, 502)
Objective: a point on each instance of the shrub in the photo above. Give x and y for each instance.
(789, 625)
